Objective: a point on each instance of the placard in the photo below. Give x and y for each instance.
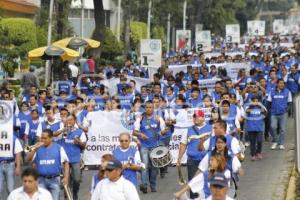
(278, 26)
(183, 40)
(256, 27)
(203, 41)
(6, 129)
(150, 53)
(232, 33)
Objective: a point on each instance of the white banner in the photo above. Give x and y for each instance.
(139, 82)
(279, 27)
(151, 53)
(232, 33)
(103, 135)
(175, 143)
(256, 27)
(105, 128)
(6, 129)
(203, 41)
(183, 40)
(208, 83)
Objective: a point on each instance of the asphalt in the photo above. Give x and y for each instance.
(263, 180)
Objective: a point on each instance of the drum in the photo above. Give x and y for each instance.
(160, 156)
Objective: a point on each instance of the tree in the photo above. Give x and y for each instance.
(99, 16)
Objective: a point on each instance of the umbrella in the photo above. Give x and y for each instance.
(52, 53)
(76, 42)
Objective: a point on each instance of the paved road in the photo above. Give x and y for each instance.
(263, 180)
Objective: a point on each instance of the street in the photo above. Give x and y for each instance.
(263, 180)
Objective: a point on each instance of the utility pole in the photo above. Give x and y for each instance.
(149, 19)
(48, 67)
(82, 19)
(119, 20)
(184, 15)
(168, 32)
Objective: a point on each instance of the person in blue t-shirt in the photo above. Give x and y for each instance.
(190, 144)
(255, 114)
(74, 142)
(148, 130)
(279, 102)
(130, 158)
(50, 158)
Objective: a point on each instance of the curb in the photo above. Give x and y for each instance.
(291, 189)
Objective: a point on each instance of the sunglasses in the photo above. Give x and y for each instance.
(109, 170)
(124, 140)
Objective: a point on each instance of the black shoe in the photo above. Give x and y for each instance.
(153, 190)
(143, 189)
(162, 175)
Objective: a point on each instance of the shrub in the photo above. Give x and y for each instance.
(110, 47)
(158, 32)
(138, 32)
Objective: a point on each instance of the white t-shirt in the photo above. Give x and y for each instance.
(122, 189)
(74, 70)
(197, 183)
(19, 193)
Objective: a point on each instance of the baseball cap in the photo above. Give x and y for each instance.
(199, 113)
(219, 179)
(113, 164)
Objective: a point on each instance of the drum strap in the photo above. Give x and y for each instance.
(195, 130)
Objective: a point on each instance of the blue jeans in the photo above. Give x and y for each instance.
(7, 174)
(192, 167)
(75, 179)
(278, 127)
(165, 142)
(149, 174)
(52, 185)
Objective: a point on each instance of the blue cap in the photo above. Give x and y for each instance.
(219, 179)
(114, 164)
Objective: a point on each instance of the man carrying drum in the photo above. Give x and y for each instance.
(190, 142)
(148, 129)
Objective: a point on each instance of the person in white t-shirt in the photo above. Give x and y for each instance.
(115, 186)
(219, 187)
(30, 189)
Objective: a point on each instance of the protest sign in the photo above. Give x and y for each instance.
(232, 33)
(203, 41)
(150, 53)
(6, 129)
(256, 27)
(183, 40)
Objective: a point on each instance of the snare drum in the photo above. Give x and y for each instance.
(160, 156)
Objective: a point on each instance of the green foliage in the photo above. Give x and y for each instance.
(138, 32)
(21, 35)
(41, 36)
(158, 32)
(110, 47)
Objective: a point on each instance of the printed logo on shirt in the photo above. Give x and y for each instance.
(47, 162)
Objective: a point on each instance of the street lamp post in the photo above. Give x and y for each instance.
(184, 15)
(168, 32)
(82, 19)
(149, 19)
(119, 20)
(48, 67)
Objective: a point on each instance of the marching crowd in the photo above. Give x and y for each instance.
(51, 124)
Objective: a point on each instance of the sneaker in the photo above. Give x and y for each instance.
(143, 189)
(259, 156)
(247, 144)
(281, 147)
(274, 146)
(253, 158)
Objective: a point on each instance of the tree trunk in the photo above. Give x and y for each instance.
(127, 19)
(98, 34)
